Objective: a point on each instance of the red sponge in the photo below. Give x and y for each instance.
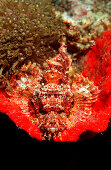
(97, 67)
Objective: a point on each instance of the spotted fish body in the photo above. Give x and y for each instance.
(46, 97)
(55, 96)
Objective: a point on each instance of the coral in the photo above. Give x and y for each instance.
(43, 94)
(90, 108)
(47, 99)
(97, 68)
(98, 61)
(86, 20)
(29, 30)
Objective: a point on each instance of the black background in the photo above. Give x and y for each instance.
(19, 150)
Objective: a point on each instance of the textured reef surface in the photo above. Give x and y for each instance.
(55, 66)
(87, 19)
(29, 30)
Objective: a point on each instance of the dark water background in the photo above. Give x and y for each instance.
(19, 150)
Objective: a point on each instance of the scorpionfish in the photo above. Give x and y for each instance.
(47, 98)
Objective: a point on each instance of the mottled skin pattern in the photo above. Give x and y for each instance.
(54, 99)
(47, 98)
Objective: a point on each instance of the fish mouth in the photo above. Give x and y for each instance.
(52, 122)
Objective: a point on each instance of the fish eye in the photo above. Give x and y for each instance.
(55, 95)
